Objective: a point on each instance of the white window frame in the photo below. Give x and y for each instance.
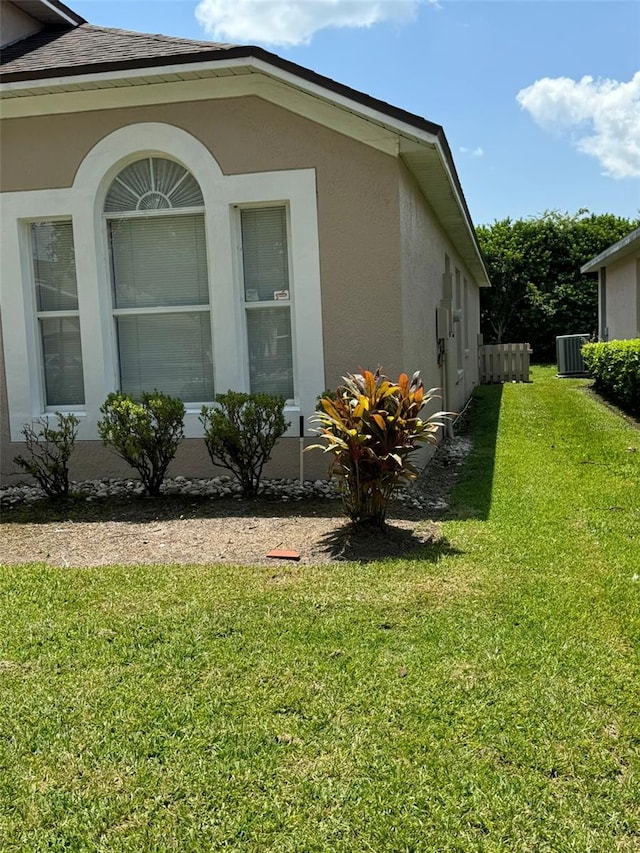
(38, 315)
(236, 214)
(83, 203)
(157, 309)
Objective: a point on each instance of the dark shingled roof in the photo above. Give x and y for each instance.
(89, 48)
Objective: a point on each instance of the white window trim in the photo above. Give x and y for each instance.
(136, 215)
(31, 304)
(292, 406)
(158, 309)
(83, 203)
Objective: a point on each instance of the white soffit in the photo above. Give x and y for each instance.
(431, 170)
(202, 81)
(48, 13)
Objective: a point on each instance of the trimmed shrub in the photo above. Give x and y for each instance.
(240, 433)
(144, 433)
(49, 450)
(371, 426)
(615, 367)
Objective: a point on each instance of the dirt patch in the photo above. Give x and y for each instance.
(191, 530)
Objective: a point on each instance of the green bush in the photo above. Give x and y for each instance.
(240, 433)
(615, 367)
(49, 450)
(371, 426)
(144, 433)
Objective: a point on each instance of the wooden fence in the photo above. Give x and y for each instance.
(503, 363)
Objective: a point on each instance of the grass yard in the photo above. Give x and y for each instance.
(484, 697)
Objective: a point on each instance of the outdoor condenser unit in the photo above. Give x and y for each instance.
(570, 361)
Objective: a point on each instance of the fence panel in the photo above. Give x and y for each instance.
(504, 363)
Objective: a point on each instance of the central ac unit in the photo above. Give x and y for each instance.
(568, 350)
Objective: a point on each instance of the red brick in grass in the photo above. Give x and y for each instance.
(283, 554)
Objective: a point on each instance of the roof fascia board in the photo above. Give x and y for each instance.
(261, 59)
(404, 128)
(205, 89)
(447, 167)
(462, 204)
(24, 81)
(396, 126)
(371, 114)
(53, 12)
(64, 13)
(618, 250)
(404, 125)
(446, 163)
(62, 81)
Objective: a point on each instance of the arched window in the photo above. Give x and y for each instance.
(154, 212)
(153, 184)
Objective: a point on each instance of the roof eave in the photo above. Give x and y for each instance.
(413, 129)
(615, 252)
(50, 12)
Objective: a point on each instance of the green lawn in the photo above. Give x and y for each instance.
(484, 697)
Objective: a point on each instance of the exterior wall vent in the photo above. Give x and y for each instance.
(570, 361)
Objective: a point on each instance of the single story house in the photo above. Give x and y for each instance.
(618, 271)
(198, 217)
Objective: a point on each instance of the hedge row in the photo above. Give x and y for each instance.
(615, 367)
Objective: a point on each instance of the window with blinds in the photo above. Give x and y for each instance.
(160, 281)
(54, 269)
(267, 300)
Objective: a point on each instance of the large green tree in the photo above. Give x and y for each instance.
(537, 289)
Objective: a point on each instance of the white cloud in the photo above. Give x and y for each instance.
(602, 116)
(292, 22)
(472, 152)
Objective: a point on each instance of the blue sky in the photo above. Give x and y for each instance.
(539, 99)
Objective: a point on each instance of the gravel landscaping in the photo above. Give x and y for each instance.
(207, 520)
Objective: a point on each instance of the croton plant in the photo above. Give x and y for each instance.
(370, 427)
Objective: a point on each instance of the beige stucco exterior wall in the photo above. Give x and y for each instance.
(422, 267)
(357, 200)
(424, 245)
(15, 24)
(358, 215)
(623, 298)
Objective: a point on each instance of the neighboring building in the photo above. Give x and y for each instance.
(200, 217)
(618, 270)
